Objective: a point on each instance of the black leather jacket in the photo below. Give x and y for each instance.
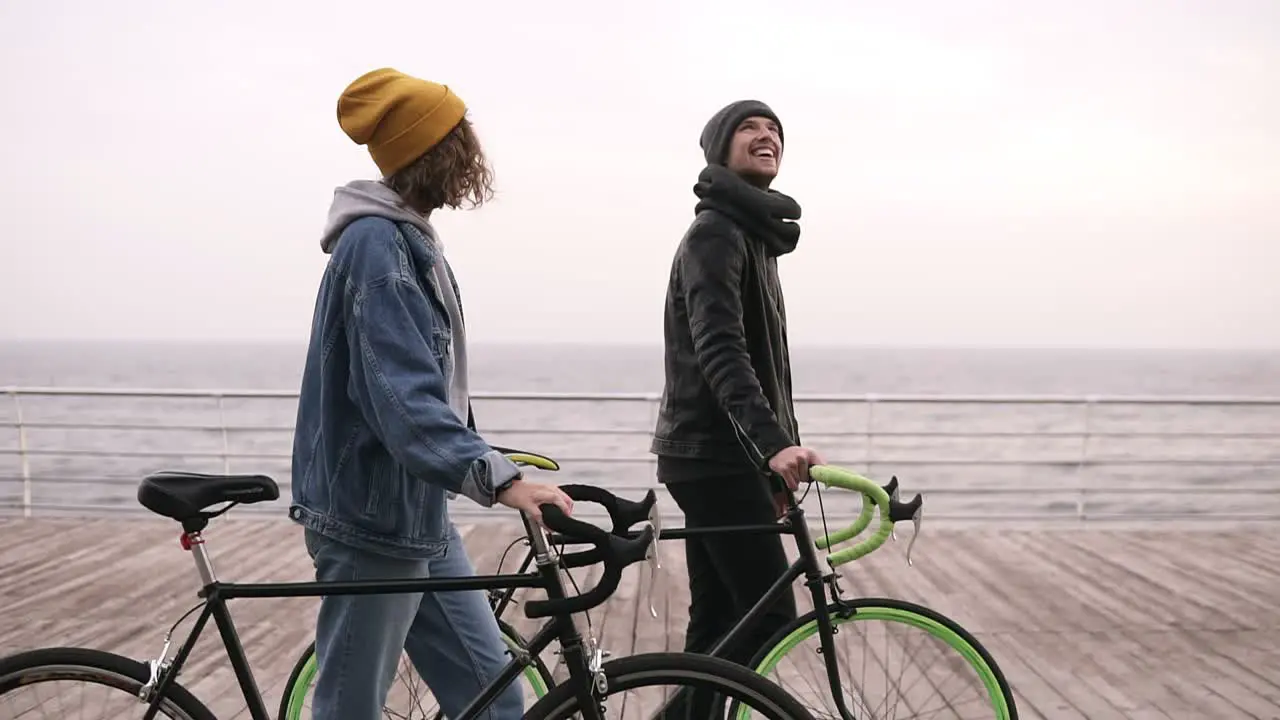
(727, 395)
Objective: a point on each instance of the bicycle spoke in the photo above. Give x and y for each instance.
(889, 671)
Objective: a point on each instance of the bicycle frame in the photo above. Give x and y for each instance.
(815, 571)
(216, 594)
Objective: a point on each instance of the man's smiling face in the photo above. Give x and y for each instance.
(755, 152)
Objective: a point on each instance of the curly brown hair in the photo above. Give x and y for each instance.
(453, 173)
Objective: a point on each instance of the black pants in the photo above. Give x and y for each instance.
(729, 573)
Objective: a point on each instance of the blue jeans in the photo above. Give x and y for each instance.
(452, 638)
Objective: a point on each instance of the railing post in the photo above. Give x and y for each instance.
(1082, 463)
(24, 462)
(871, 432)
(654, 405)
(226, 443)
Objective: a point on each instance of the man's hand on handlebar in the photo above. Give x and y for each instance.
(526, 496)
(793, 464)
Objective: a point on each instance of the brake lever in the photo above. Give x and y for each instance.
(916, 519)
(651, 559)
(912, 510)
(655, 562)
(892, 488)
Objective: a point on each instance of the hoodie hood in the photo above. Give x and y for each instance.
(365, 198)
(369, 198)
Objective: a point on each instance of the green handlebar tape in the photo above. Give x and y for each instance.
(863, 521)
(873, 497)
(865, 547)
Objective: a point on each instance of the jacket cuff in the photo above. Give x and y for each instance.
(771, 440)
(490, 471)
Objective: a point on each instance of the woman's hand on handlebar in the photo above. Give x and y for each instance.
(526, 496)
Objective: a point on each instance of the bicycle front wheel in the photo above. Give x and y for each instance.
(46, 682)
(895, 660)
(640, 686)
(409, 697)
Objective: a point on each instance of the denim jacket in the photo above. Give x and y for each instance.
(377, 451)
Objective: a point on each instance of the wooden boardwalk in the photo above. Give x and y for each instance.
(1088, 624)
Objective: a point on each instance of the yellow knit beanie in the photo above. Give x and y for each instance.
(399, 117)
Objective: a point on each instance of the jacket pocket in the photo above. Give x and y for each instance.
(441, 343)
(432, 512)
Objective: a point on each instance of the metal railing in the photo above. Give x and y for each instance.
(976, 458)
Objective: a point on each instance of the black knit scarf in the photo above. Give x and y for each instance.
(766, 215)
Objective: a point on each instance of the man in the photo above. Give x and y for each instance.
(726, 418)
(381, 441)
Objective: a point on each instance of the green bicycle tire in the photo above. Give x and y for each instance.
(304, 674)
(899, 611)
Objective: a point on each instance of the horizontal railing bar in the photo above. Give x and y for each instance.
(959, 434)
(908, 489)
(1067, 435)
(200, 454)
(1210, 517)
(1066, 516)
(62, 425)
(624, 460)
(1090, 463)
(1009, 399)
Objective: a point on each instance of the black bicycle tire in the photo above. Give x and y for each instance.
(503, 627)
(656, 668)
(906, 606)
(14, 667)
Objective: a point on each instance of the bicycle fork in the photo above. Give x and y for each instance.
(819, 575)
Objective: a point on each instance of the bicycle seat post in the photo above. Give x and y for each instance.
(193, 542)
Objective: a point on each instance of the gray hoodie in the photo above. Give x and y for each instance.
(362, 198)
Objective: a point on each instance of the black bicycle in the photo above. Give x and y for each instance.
(915, 662)
(589, 691)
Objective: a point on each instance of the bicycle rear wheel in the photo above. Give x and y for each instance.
(753, 694)
(29, 680)
(942, 671)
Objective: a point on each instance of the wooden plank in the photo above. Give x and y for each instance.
(1095, 624)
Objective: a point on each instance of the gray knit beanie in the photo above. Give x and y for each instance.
(719, 130)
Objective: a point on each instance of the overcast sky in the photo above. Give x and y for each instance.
(971, 173)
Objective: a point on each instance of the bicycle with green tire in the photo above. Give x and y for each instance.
(152, 688)
(961, 655)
